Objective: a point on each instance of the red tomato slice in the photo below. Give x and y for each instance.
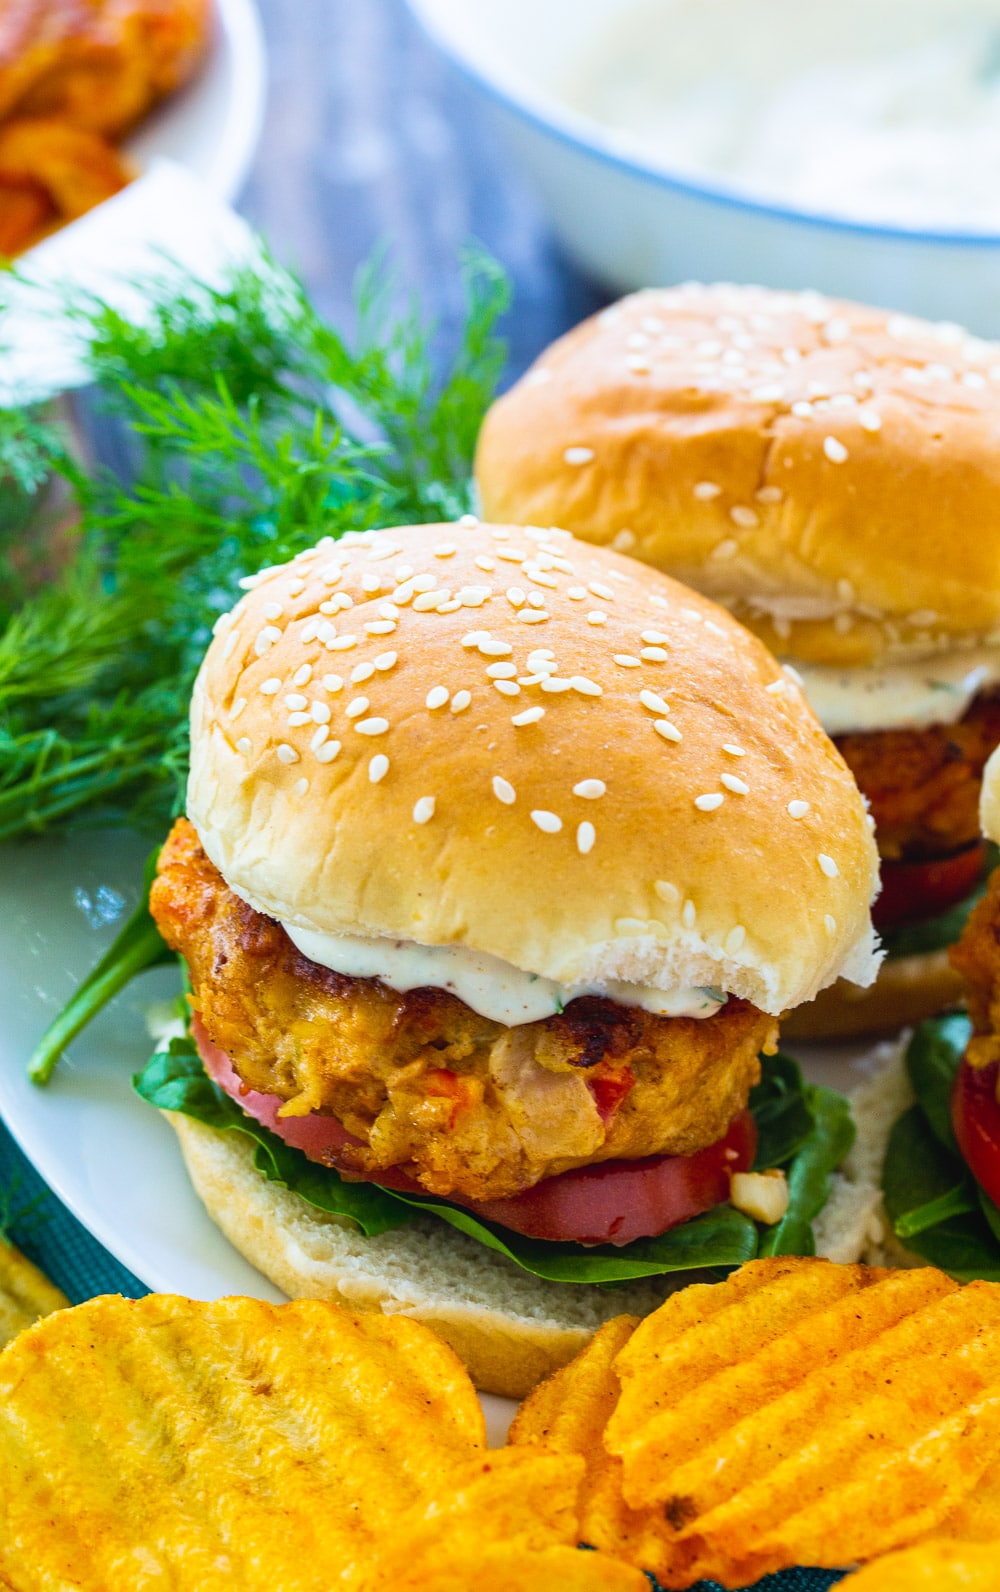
(975, 1116)
(915, 890)
(610, 1202)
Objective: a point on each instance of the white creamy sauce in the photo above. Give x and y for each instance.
(876, 110)
(935, 690)
(495, 989)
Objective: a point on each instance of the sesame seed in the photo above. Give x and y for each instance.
(232, 641)
(490, 648)
(388, 611)
(688, 914)
(577, 593)
(296, 720)
(370, 583)
(830, 924)
(507, 687)
(595, 617)
(709, 803)
(548, 823)
(472, 638)
(870, 419)
(666, 891)
(504, 791)
(322, 734)
(626, 660)
(705, 491)
(362, 672)
(345, 643)
(586, 834)
(578, 455)
(553, 683)
(272, 610)
(237, 708)
(734, 940)
(733, 749)
(437, 696)
(738, 786)
(501, 671)
(654, 703)
(423, 810)
(473, 596)
(428, 600)
(374, 627)
(222, 623)
(835, 450)
(301, 786)
(515, 596)
(653, 655)
(669, 731)
(333, 683)
(372, 726)
(715, 629)
(802, 410)
(771, 393)
(590, 789)
(513, 555)
(529, 716)
(243, 746)
(769, 494)
(265, 639)
(386, 660)
(536, 599)
(540, 577)
(655, 638)
(460, 701)
(271, 687)
(775, 687)
(378, 768)
(469, 519)
(287, 754)
(445, 549)
(311, 631)
(744, 516)
(303, 675)
(532, 616)
(600, 590)
(585, 687)
(357, 707)
(828, 865)
(725, 549)
(327, 752)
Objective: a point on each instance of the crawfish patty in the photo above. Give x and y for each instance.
(466, 1105)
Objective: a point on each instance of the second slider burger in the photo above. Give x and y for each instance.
(502, 858)
(830, 474)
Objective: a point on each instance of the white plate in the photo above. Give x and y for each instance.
(213, 126)
(110, 1158)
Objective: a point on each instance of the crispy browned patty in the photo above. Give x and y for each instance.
(466, 1105)
(977, 958)
(923, 785)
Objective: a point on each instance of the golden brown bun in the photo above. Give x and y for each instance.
(908, 989)
(509, 1328)
(725, 434)
(769, 905)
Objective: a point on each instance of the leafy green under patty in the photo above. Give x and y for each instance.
(806, 1130)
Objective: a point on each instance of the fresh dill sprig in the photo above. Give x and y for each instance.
(257, 429)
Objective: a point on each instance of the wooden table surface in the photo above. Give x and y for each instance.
(372, 137)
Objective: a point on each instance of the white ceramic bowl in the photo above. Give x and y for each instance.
(630, 223)
(213, 126)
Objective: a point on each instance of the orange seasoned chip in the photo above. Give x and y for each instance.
(210, 1446)
(26, 1295)
(799, 1413)
(935, 1567)
(510, 1523)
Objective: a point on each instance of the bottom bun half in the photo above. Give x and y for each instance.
(511, 1329)
(908, 989)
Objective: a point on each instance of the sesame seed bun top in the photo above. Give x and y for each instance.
(829, 472)
(504, 739)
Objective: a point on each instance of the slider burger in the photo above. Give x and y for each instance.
(830, 474)
(503, 855)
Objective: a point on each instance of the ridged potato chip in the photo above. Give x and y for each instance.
(799, 1413)
(155, 1442)
(26, 1295)
(935, 1567)
(512, 1524)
